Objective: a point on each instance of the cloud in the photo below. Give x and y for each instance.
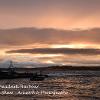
(29, 64)
(27, 36)
(67, 51)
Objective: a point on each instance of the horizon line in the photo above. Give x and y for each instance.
(52, 28)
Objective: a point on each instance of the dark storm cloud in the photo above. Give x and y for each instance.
(24, 36)
(67, 51)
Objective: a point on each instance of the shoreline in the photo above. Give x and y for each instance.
(58, 68)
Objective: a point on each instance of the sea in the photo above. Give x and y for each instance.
(60, 85)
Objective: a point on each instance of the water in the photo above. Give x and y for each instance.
(60, 86)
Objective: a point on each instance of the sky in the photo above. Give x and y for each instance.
(63, 14)
(50, 32)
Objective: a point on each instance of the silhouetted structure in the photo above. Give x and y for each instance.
(11, 68)
(11, 73)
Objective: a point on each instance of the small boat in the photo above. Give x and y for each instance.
(38, 77)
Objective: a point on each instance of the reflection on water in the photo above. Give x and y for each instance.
(73, 88)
